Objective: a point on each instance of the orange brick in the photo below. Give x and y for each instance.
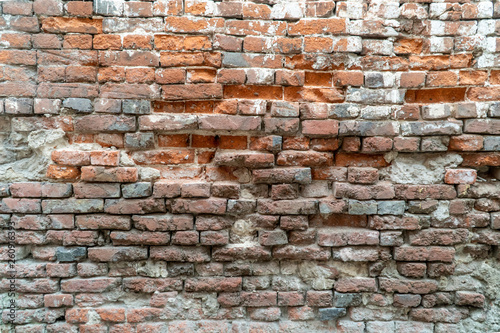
(441, 79)
(305, 94)
(79, 8)
(62, 172)
(174, 156)
(408, 46)
(169, 42)
(317, 26)
(233, 142)
(170, 75)
(473, 77)
(199, 107)
(137, 42)
(318, 44)
(70, 24)
(205, 157)
(74, 41)
(483, 93)
(112, 314)
(107, 42)
(495, 77)
(140, 75)
(106, 158)
(466, 142)
(201, 75)
(318, 79)
(193, 43)
(111, 74)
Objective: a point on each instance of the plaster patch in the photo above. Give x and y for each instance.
(422, 169)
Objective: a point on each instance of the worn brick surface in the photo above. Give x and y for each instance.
(250, 165)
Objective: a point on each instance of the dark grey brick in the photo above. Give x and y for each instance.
(65, 254)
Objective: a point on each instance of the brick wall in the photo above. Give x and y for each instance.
(251, 166)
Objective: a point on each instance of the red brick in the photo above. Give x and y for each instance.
(317, 26)
(56, 301)
(102, 174)
(233, 142)
(79, 8)
(412, 270)
(452, 315)
(174, 140)
(356, 285)
(296, 143)
(362, 175)
(140, 75)
(411, 80)
(77, 315)
(89, 285)
(105, 158)
(188, 91)
(142, 314)
(115, 254)
(214, 284)
(473, 77)
(17, 8)
(483, 93)
(199, 107)
(442, 95)
(115, 315)
(253, 92)
(77, 41)
(376, 144)
(319, 298)
(99, 221)
(70, 157)
(304, 94)
(360, 160)
(179, 156)
(460, 176)
(107, 42)
(178, 253)
(470, 298)
(424, 254)
(466, 142)
(474, 160)
(408, 286)
(306, 158)
(137, 42)
(170, 76)
(128, 58)
(320, 128)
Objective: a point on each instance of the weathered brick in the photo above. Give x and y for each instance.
(99, 221)
(103, 174)
(114, 254)
(134, 206)
(178, 253)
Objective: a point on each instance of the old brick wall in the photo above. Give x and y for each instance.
(250, 166)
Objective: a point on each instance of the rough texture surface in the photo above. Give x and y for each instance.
(250, 166)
